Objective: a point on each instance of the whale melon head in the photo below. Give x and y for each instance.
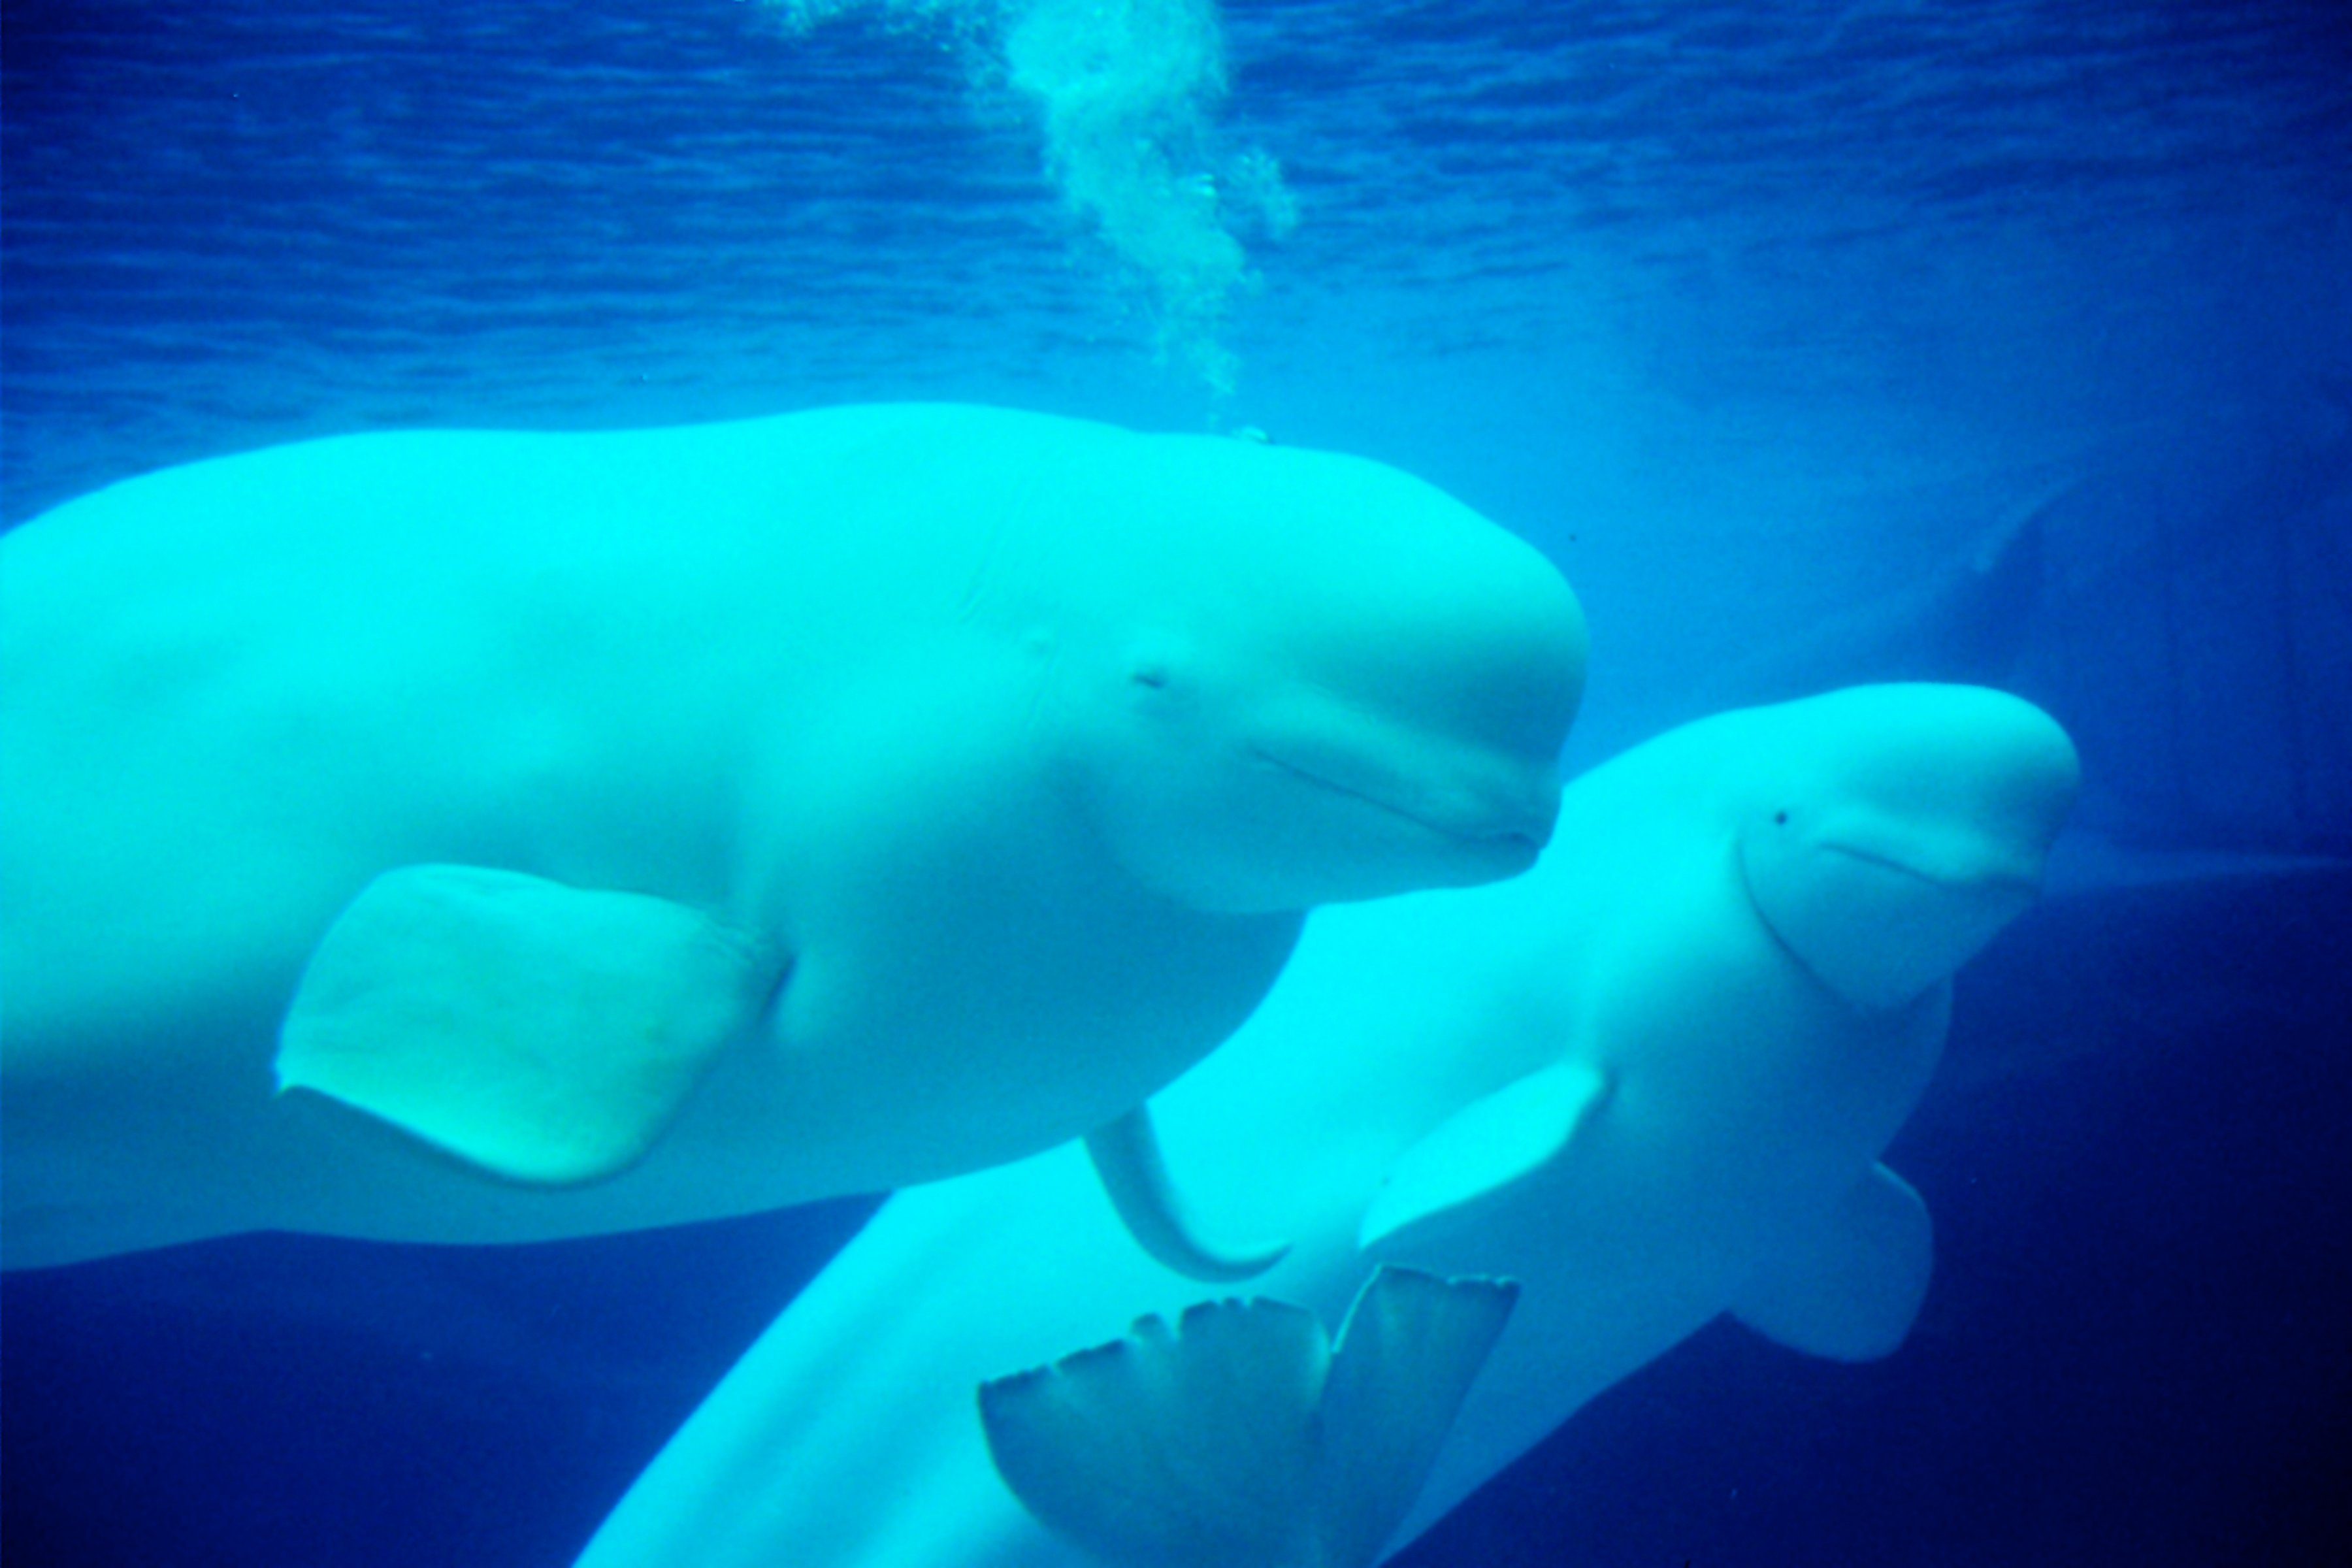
(1334, 683)
(1894, 829)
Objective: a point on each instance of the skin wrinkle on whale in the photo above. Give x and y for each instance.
(838, 800)
(1664, 1106)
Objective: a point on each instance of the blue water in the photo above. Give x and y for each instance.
(1757, 316)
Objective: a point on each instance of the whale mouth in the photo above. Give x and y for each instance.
(1989, 879)
(1522, 834)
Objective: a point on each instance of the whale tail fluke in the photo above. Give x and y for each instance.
(1171, 1447)
(1408, 1352)
(1241, 1438)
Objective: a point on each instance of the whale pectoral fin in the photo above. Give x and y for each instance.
(1486, 1145)
(1126, 1155)
(1171, 1448)
(542, 1033)
(1848, 1286)
(1412, 1346)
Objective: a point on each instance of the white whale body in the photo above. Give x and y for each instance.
(1648, 1081)
(620, 829)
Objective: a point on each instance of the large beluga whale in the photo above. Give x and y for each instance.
(480, 837)
(1649, 1082)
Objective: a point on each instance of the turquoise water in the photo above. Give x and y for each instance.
(1760, 320)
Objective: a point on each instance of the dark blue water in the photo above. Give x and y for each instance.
(1759, 318)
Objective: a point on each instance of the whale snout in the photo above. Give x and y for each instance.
(1451, 815)
(1511, 810)
(1443, 701)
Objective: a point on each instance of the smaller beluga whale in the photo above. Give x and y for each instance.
(1539, 1132)
(493, 836)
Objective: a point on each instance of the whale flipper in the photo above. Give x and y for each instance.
(1488, 1144)
(1126, 1157)
(1848, 1285)
(544, 1033)
(1241, 1437)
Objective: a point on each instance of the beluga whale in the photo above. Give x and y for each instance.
(1644, 1085)
(486, 837)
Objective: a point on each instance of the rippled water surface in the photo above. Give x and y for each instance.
(228, 224)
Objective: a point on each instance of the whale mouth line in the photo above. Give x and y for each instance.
(2016, 881)
(1508, 836)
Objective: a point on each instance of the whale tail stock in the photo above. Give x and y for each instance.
(1241, 1437)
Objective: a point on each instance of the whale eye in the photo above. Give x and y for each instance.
(1157, 662)
(1160, 667)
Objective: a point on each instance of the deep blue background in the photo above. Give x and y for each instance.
(1753, 316)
